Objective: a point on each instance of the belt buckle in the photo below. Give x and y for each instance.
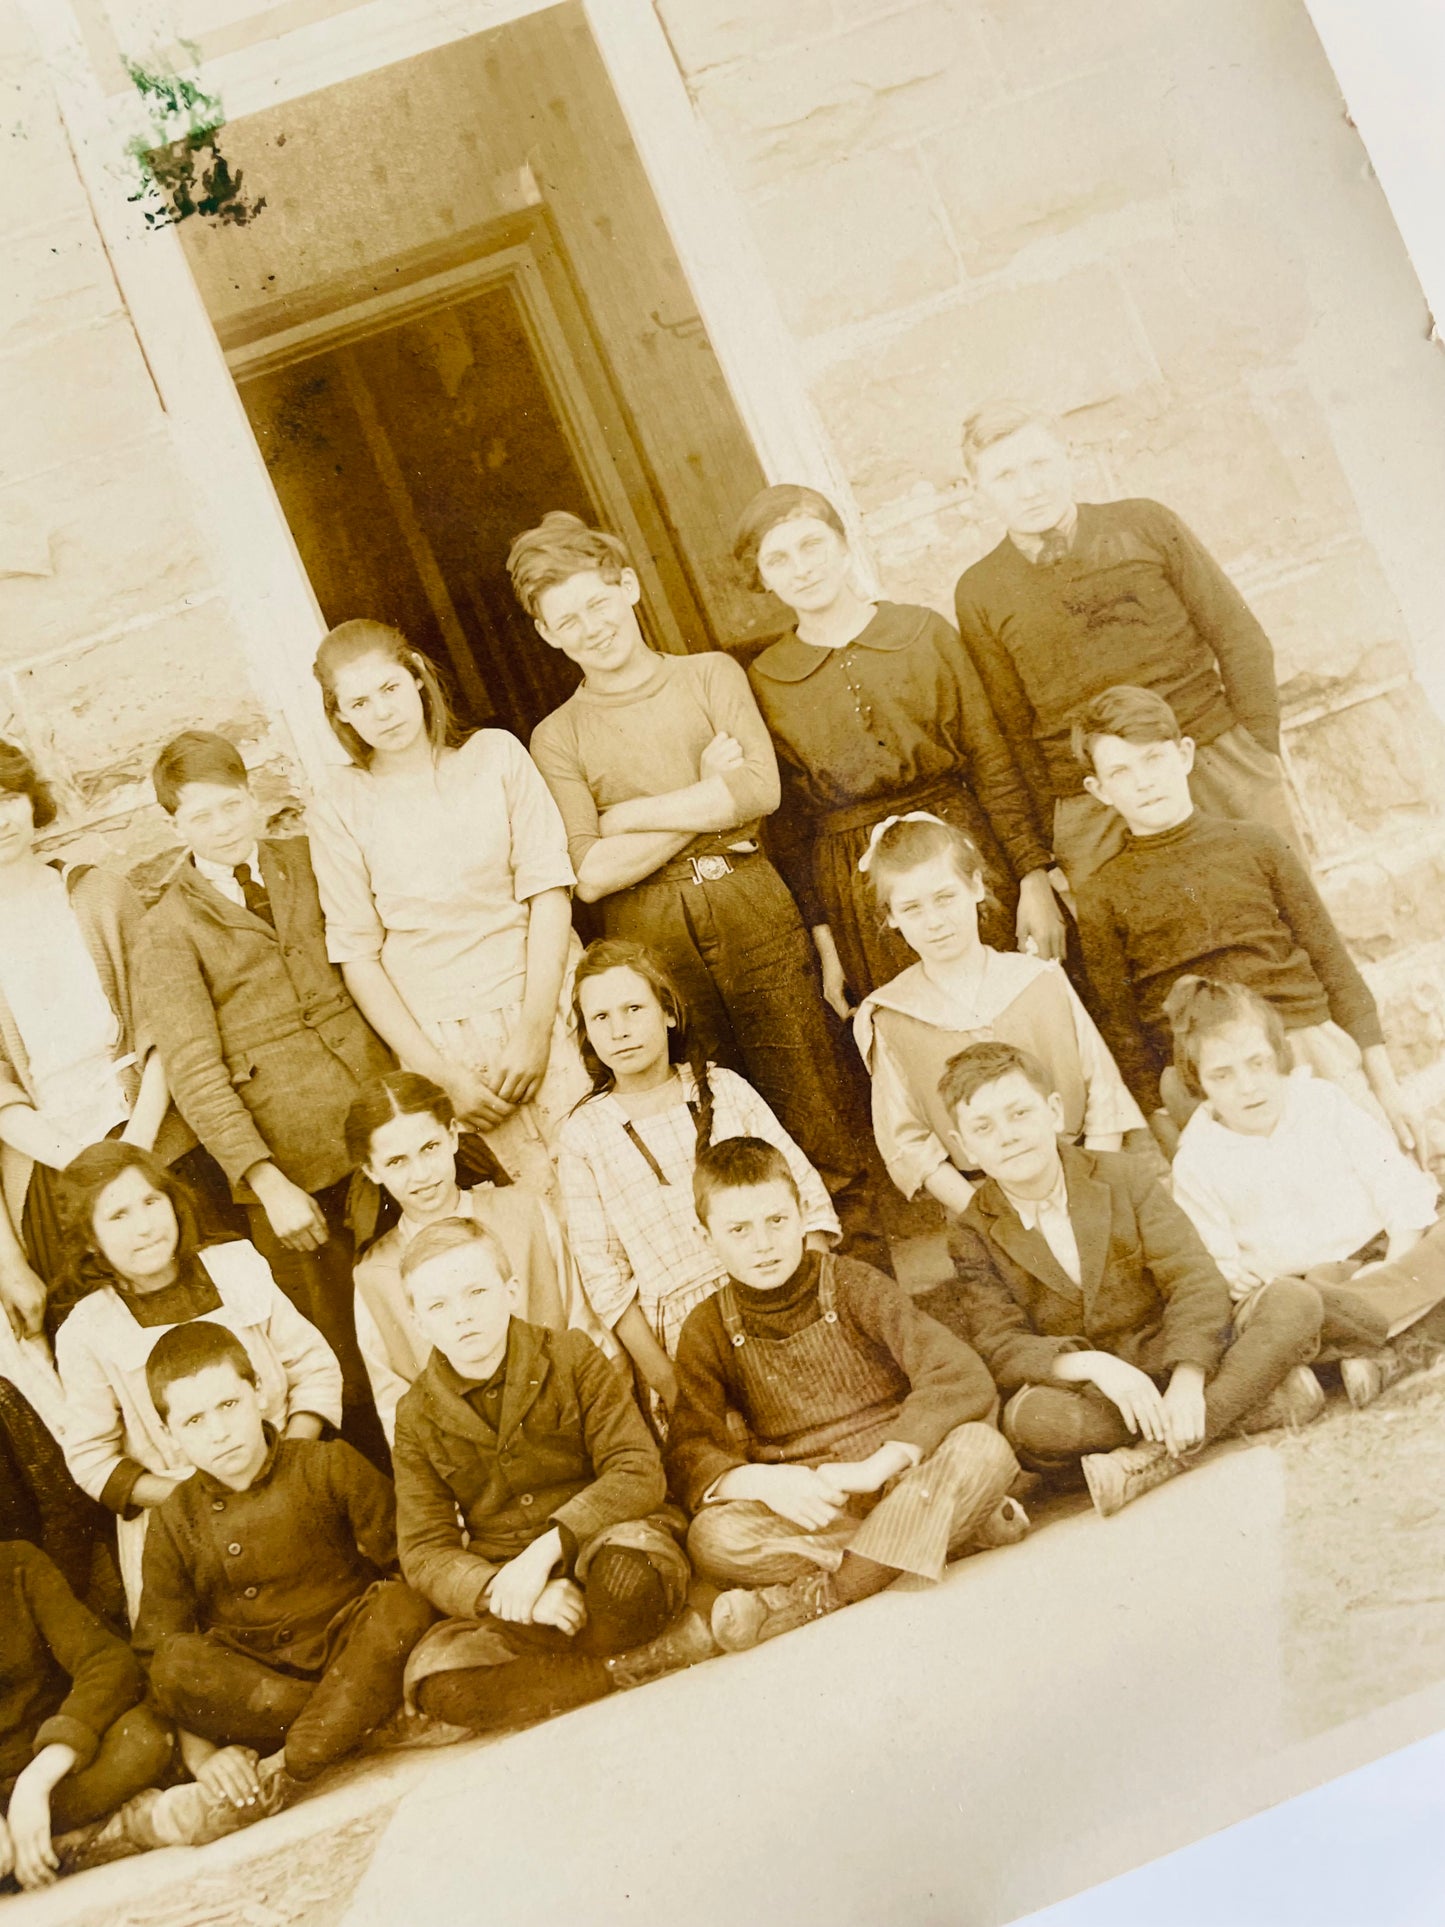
(710, 869)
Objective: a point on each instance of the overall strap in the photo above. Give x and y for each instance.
(727, 1304)
(635, 1138)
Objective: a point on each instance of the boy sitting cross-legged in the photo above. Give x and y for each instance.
(1095, 1305)
(268, 1617)
(827, 1436)
(530, 1502)
(1194, 893)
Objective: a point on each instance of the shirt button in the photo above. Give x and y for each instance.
(526, 1498)
(234, 1550)
(250, 1592)
(218, 1505)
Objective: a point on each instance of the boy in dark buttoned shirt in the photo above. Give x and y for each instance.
(1095, 1305)
(267, 1616)
(530, 1504)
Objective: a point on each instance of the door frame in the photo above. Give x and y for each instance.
(258, 66)
(521, 254)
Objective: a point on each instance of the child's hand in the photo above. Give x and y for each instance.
(1140, 1403)
(474, 1100)
(1040, 924)
(723, 753)
(516, 1589)
(799, 1493)
(230, 1774)
(1184, 1411)
(35, 1862)
(867, 1475)
(560, 1604)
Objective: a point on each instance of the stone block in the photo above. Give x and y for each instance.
(1220, 287)
(853, 241)
(123, 542)
(63, 400)
(1036, 43)
(56, 279)
(1336, 621)
(888, 80)
(895, 412)
(706, 35)
(38, 181)
(1371, 771)
(1028, 168)
(98, 717)
(1389, 903)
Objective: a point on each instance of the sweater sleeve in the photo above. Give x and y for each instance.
(629, 1481)
(556, 753)
(1197, 1303)
(434, 1560)
(105, 1676)
(169, 1605)
(996, 778)
(1106, 960)
(755, 787)
(1207, 1209)
(369, 1499)
(949, 1384)
(706, 1429)
(1352, 1006)
(1012, 710)
(1226, 624)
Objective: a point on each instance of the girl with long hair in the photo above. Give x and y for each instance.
(445, 880)
(875, 708)
(403, 1134)
(137, 1269)
(627, 1154)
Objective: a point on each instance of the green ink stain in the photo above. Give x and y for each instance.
(181, 168)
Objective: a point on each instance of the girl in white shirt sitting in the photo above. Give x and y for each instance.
(1283, 1174)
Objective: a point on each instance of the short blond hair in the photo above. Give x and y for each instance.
(995, 422)
(453, 1234)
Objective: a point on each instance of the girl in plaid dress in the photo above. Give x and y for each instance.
(626, 1156)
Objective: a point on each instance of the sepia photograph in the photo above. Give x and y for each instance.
(722, 955)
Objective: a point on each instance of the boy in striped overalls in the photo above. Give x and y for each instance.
(827, 1436)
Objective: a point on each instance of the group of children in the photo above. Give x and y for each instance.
(459, 1326)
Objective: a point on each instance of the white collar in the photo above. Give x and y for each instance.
(1031, 1210)
(226, 872)
(407, 1230)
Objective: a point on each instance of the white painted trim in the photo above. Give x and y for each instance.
(266, 585)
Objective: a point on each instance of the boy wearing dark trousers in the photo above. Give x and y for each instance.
(75, 1740)
(264, 1050)
(1080, 595)
(828, 1436)
(276, 1637)
(1093, 1302)
(531, 1504)
(1194, 894)
(663, 770)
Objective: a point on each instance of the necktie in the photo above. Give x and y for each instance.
(1053, 548)
(254, 892)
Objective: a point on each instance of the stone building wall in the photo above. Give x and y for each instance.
(1152, 217)
(114, 632)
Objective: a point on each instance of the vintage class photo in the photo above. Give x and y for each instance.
(722, 980)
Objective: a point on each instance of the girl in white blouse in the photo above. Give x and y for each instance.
(139, 1270)
(445, 879)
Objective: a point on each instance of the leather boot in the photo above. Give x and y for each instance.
(747, 1616)
(684, 1643)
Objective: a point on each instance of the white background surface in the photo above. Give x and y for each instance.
(1367, 1850)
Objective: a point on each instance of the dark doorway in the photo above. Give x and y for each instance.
(460, 309)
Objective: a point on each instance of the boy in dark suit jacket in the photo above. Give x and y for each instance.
(263, 1048)
(1093, 1302)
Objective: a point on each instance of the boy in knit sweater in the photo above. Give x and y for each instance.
(828, 1436)
(1191, 893)
(1081, 595)
(663, 770)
